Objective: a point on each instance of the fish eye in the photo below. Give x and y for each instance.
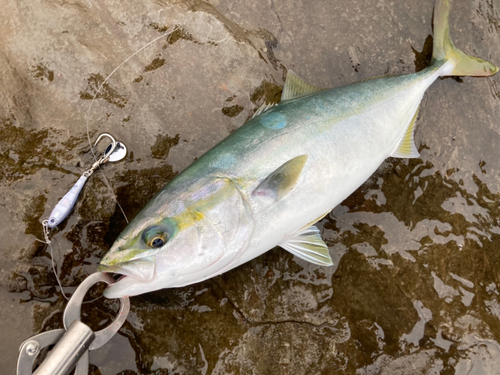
(157, 241)
(155, 237)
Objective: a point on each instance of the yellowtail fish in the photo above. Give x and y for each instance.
(268, 182)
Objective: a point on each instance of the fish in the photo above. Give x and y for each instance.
(269, 182)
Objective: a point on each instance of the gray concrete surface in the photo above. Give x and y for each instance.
(415, 287)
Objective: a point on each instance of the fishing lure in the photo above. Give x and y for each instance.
(115, 151)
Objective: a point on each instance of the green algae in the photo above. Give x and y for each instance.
(160, 29)
(107, 93)
(42, 72)
(155, 64)
(268, 92)
(163, 144)
(24, 151)
(179, 34)
(232, 111)
(32, 216)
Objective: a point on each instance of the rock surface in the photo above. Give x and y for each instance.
(415, 286)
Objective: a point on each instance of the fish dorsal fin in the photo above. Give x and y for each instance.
(279, 183)
(295, 87)
(406, 147)
(263, 108)
(308, 245)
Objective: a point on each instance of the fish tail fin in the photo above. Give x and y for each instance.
(444, 50)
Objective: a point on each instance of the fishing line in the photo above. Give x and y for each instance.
(92, 102)
(97, 162)
(109, 76)
(48, 243)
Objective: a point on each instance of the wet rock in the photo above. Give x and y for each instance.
(415, 285)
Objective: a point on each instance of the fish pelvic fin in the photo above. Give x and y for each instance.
(444, 50)
(308, 245)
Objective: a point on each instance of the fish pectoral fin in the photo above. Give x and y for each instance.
(295, 87)
(406, 147)
(307, 244)
(279, 183)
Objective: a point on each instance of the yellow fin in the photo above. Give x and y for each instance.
(308, 245)
(406, 147)
(472, 66)
(295, 87)
(443, 48)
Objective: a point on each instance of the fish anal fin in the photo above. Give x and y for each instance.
(295, 87)
(308, 245)
(406, 147)
(279, 183)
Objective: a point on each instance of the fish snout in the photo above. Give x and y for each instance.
(142, 270)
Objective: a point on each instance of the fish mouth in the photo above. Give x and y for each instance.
(140, 271)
